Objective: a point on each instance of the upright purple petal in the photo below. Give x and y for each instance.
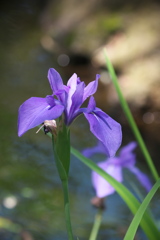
(99, 148)
(90, 108)
(91, 105)
(91, 88)
(35, 111)
(142, 178)
(76, 102)
(73, 81)
(56, 84)
(55, 80)
(101, 186)
(72, 85)
(126, 156)
(128, 148)
(107, 130)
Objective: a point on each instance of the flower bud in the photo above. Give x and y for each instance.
(98, 202)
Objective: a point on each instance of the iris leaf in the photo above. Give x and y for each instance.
(130, 118)
(138, 216)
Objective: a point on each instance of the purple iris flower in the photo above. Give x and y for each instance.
(114, 167)
(67, 100)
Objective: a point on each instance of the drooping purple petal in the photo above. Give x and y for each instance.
(91, 88)
(101, 186)
(107, 130)
(50, 100)
(35, 111)
(142, 178)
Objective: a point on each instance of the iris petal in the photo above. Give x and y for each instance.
(101, 186)
(55, 80)
(72, 85)
(91, 105)
(107, 130)
(72, 82)
(35, 111)
(143, 178)
(128, 148)
(50, 100)
(56, 84)
(99, 148)
(91, 88)
(77, 100)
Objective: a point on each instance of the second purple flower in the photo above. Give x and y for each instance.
(114, 166)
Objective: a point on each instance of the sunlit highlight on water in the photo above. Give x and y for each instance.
(10, 202)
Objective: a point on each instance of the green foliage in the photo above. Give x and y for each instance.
(138, 216)
(61, 147)
(130, 118)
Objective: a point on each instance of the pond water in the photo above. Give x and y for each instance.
(31, 201)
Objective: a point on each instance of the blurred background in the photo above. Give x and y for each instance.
(70, 36)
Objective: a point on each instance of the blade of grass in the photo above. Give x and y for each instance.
(130, 118)
(146, 223)
(138, 216)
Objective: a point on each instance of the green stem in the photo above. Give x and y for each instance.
(96, 225)
(61, 149)
(131, 119)
(67, 209)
